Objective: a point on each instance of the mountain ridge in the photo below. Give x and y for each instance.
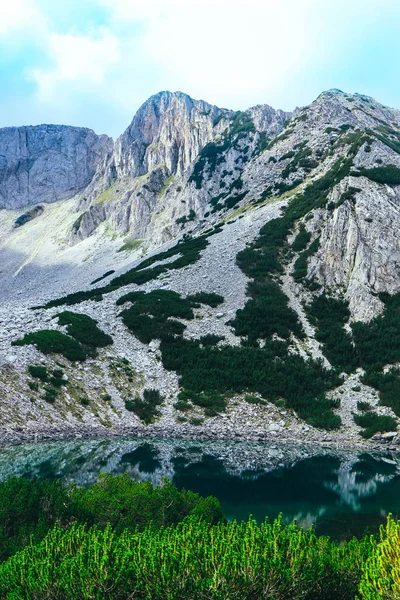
(288, 217)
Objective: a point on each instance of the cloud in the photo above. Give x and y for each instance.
(94, 62)
(15, 14)
(76, 58)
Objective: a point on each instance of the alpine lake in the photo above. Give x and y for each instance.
(340, 492)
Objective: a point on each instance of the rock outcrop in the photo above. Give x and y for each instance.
(46, 163)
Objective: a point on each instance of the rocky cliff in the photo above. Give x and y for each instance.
(47, 163)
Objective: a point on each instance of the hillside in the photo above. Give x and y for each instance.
(210, 274)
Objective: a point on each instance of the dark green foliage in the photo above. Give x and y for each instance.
(301, 159)
(262, 144)
(147, 408)
(389, 174)
(130, 297)
(57, 382)
(378, 342)
(301, 264)
(107, 274)
(301, 240)
(152, 315)
(287, 155)
(212, 402)
(374, 423)
(54, 342)
(84, 401)
(186, 218)
(106, 397)
(270, 371)
(149, 316)
(331, 130)
(28, 509)
(266, 313)
(29, 215)
(38, 372)
(206, 298)
(50, 394)
(211, 340)
(84, 329)
(34, 386)
(329, 315)
(363, 406)
(388, 385)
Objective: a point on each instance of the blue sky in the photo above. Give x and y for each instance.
(94, 62)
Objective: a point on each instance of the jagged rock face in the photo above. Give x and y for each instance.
(46, 163)
(169, 129)
(153, 161)
(360, 248)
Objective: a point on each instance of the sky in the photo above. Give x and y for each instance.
(92, 63)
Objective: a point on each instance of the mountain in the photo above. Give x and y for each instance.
(211, 273)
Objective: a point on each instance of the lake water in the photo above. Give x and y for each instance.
(341, 492)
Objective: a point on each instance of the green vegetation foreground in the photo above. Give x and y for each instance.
(122, 540)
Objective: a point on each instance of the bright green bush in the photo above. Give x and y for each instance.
(193, 560)
(28, 509)
(381, 572)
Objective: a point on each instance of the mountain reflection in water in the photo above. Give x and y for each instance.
(341, 492)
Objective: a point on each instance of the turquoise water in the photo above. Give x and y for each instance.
(342, 493)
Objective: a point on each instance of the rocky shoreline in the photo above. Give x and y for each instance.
(20, 436)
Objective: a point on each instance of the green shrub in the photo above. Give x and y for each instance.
(301, 265)
(193, 560)
(301, 239)
(50, 394)
(267, 313)
(84, 329)
(38, 372)
(388, 385)
(209, 298)
(84, 401)
(330, 315)
(34, 386)
(146, 408)
(389, 174)
(363, 406)
(374, 423)
(106, 274)
(54, 342)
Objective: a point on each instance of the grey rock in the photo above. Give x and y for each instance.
(45, 163)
